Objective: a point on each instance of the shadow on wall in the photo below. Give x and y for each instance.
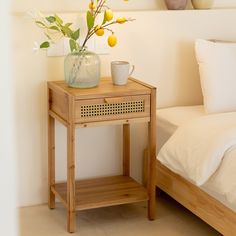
(187, 75)
(42, 94)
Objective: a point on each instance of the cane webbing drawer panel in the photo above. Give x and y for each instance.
(112, 108)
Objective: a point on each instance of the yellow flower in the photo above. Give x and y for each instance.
(108, 15)
(112, 40)
(121, 20)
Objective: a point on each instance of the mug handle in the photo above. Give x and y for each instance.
(132, 70)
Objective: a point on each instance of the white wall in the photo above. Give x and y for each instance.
(7, 144)
(225, 3)
(81, 5)
(159, 43)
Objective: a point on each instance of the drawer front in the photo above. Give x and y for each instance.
(117, 108)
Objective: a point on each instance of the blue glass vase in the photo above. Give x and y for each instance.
(82, 69)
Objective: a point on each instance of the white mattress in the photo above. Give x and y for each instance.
(168, 120)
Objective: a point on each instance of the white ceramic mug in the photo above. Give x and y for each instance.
(120, 72)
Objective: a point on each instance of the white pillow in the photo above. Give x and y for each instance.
(217, 68)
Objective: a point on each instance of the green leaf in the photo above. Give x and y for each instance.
(73, 45)
(104, 18)
(75, 35)
(67, 31)
(68, 24)
(39, 23)
(58, 19)
(54, 28)
(90, 20)
(45, 44)
(50, 19)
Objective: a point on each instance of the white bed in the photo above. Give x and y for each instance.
(196, 145)
(211, 202)
(168, 120)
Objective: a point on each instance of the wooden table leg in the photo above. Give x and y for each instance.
(126, 149)
(152, 159)
(51, 161)
(71, 217)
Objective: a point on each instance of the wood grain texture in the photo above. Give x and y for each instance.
(58, 118)
(151, 179)
(197, 201)
(59, 104)
(142, 83)
(126, 149)
(146, 166)
(112, 122)
(51, 156)
(104, 90)
(102, 192)
(71, 225)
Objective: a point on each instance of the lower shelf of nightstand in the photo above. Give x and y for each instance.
(102, 192)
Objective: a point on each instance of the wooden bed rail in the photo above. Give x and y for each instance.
(210, 210)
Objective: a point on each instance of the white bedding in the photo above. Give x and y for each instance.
(169, 119)
(214, 172)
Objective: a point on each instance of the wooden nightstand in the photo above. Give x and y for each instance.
(104, 105)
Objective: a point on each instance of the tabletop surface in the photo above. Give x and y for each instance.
(104, 89)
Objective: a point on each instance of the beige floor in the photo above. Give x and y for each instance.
(126, 220)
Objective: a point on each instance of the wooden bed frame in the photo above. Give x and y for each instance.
(194, 199)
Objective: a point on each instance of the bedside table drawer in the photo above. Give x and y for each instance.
(112, 108)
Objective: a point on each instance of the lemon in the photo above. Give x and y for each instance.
(92, 5)
(99, 31)
(112, 40)
(121, 20)
(108, 15)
